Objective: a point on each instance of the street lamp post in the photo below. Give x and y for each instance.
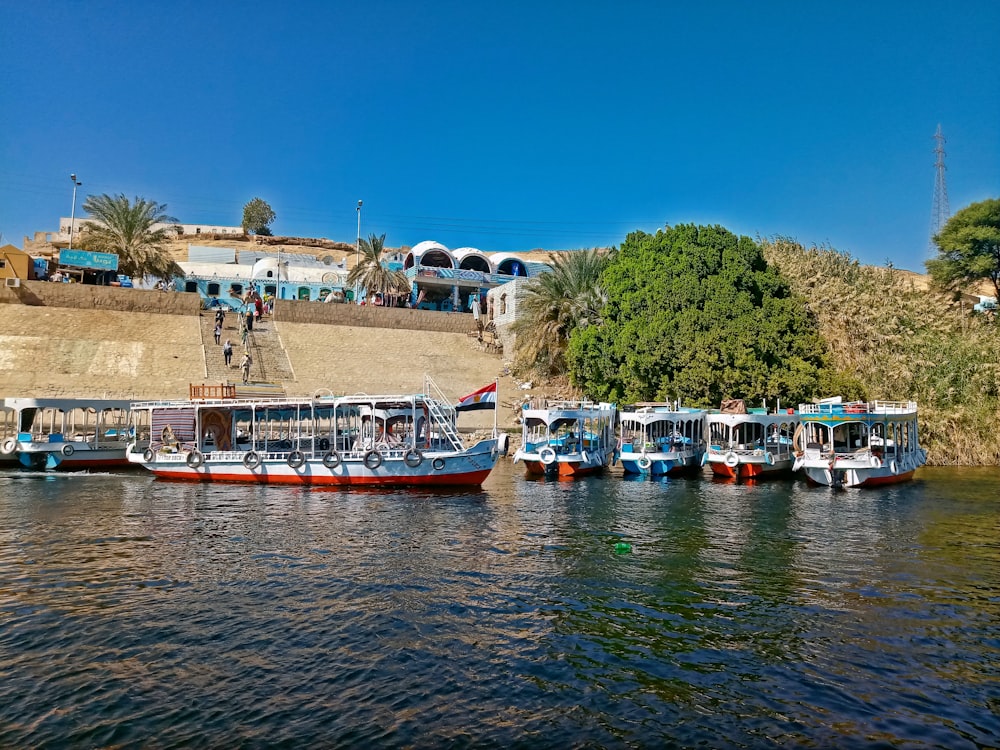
(357, 286)
(72, 212)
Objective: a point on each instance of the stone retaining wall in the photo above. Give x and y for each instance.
(363, 316)
(87, 297)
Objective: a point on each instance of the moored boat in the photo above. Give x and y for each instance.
(67, 434)
(751, 443)
(354, 441)
(659, 439)
(566, 438)
(858, 444)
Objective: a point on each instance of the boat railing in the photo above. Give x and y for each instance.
(203, 392)
(893, 407)
(860, 407)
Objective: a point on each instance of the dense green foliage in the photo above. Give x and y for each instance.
(553, 305)
(258, 217)
(125, 228)
(370, 273)
(969, 247)
(900, 341)
(695, 313)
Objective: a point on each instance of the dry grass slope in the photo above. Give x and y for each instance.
(902, 340)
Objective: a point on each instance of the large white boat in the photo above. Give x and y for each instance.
(751, 443)
(858, 444)
(360, 440)
(68, 434)
(659, 438)
(566, 438)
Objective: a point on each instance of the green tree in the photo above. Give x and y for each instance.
(969, 247)
(695, 313)
(258, 217)
(554, 304)
(372, 275)
(125, 228)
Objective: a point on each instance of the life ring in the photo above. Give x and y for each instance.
(251, 459)
(584, 457)
(438, 464)
(296, 459)
(148, 455)
(324, 444)
(875, 461)
(731, 460)
(547, 455)
(331, 460)
(68, 450)
(768, 458)
(892, 466)
(373, 459)
(195, 459)
(503, 442)
(644, 462)
(9, 445)
(414, 458)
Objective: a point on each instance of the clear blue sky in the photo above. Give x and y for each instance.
(507, 126)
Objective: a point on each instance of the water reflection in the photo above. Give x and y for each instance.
(744, 614)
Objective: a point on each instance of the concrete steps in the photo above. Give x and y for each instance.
(270, 362)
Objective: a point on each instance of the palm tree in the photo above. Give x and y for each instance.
(372, 275)
(555, 303)
(126, 229)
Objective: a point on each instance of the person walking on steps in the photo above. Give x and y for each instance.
(227, 352)
(218, 331)
(245, 366)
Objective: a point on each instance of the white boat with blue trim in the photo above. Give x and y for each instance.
(66, 434)
(661, 439)
(753, 443)
(858, 444)
(566, 438)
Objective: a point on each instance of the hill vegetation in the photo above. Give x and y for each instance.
(898, 341)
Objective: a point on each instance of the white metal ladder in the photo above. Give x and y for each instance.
(442, 411)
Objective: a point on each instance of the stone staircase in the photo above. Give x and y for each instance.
(270, 362)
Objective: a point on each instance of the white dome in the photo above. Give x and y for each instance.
(262, 266)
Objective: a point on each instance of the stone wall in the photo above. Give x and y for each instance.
(364, 316)
(87, 297)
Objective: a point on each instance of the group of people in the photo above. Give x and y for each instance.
(227, 347)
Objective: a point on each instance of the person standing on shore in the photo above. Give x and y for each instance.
(227, 352)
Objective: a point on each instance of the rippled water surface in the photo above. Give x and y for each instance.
(142, 613)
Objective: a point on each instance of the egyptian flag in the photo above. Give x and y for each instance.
(484, 398)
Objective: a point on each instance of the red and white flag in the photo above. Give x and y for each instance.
(484, 398)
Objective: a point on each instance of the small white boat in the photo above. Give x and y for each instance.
(752, 443)
(68, 434)
(858, 444)
(566, 438)
(353, 441)
(660, 439)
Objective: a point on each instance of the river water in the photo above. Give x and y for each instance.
(136, 612)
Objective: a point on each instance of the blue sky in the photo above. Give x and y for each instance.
(507, 126)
